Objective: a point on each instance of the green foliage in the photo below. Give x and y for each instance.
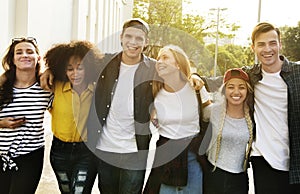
(163, 35)
(291, 42)
(169, 26)
(231, 56)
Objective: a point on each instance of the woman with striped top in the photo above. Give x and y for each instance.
(22, 106)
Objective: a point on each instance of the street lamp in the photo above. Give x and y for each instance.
(217, 38)
(258, 20)
(259, 11)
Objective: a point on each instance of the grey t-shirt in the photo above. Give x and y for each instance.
(235, 136)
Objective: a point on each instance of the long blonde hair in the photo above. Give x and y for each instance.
(247, 118)
(181, 59)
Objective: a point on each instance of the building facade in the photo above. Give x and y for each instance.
(57, 21)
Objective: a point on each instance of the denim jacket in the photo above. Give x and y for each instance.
(290, 73)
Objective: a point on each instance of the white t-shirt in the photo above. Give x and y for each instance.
(177, 112)
(272, 137)
(118, 134)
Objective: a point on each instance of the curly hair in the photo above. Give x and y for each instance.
(9, 76)
(58, 56)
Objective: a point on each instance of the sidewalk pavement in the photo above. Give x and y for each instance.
(48, 184)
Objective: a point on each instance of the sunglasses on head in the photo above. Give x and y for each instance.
(21, 39)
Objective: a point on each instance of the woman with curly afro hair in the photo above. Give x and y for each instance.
(74, 68)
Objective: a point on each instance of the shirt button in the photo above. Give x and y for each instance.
(98, 131)
(116, 80)
(107, 106)
(103, 119)
(102, 76)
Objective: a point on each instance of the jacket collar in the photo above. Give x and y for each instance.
(257, 68)
(144, 60)
(285, 65)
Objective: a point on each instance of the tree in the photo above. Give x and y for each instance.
(169, 26)
(231, 56)
(291, 42)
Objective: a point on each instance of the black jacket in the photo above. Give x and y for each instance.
(105, 88)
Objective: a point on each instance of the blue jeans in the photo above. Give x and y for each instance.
(118, 180)
(73, 166)
(194, 184)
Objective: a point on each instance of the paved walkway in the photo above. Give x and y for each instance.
(48, 184)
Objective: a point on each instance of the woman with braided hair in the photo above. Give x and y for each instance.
(232, 135)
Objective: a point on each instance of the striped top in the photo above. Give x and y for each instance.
(30, 103)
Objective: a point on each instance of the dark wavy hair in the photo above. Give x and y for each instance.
(58, 56)
(9, 76)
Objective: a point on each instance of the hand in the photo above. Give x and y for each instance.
(2, 79)
(153, 118)
(46, 80)
(11, 122)
(155, 123)
(196, 82)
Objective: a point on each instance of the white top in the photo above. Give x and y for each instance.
(177, 112)
(272, 137)
(118, 134)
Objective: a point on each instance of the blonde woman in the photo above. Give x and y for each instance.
(231, 137)
(178, 111)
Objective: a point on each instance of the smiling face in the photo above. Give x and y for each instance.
(236, 91)
(75, 71)
(166, 64)
(267, 47)
(133, 43)
(25, 56)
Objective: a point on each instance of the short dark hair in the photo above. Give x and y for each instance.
(263, 27)
(136, 23)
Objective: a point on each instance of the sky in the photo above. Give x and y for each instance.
(245, 13)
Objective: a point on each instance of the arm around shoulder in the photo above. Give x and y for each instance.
(47, 79)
